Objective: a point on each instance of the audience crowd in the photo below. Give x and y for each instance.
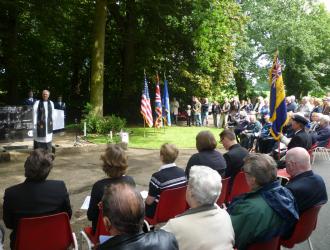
(270, 209)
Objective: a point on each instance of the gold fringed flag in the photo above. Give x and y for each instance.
(277, 104)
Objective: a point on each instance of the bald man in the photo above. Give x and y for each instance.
(307, 188)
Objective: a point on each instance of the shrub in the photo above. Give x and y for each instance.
(102, 125)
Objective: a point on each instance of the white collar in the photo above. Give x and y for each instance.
(167, 166)
(297, 131)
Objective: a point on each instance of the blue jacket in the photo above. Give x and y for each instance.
(308, 189)
(322, 136)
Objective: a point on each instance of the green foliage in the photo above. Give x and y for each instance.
(300, 30)
(102, 125)
(200, 45)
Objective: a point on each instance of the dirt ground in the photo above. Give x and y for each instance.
(80, 168)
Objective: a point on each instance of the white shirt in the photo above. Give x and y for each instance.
(49, 136)
(167, 166)
(175, 107)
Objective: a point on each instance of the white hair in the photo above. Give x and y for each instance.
(204, 185)
(325, 119)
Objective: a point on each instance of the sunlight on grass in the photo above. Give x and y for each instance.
(183, 137)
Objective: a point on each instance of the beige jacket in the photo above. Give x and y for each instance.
(203, 228)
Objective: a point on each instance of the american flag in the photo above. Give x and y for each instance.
(145, 105)
(158, 106)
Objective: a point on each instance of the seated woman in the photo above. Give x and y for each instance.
(115, 167)
(207, 154)
(36, 196)
(168, 176)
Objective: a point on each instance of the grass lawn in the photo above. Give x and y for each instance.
(183, 137)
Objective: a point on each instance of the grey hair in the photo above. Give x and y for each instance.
(262, 167)
(204, 185)
(325, 119)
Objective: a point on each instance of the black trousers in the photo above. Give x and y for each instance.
(45, 145)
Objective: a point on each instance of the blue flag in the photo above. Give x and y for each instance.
(277, 105)
(166, 105)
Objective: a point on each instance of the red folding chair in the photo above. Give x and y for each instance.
(172, 202)
(91, 238)
(224, 191)
(239, 186)
(273, 244)
(51, 232)
(304, 228)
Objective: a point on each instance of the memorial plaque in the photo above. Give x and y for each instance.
(16, 122)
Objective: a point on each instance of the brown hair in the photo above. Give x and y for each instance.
(38, 165)
(169, 152)
(230, 135)
(205, 140)
(114, 161)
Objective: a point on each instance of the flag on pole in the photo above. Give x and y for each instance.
(158, 106)
(166, 104)
(145, 104)
(277, 104)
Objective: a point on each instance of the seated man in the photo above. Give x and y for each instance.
(250, 133)
(300, 138)
(204, 225)
(123, 211)
(235, 155)
(36, 196)
(265, 142)
(322, 135)
(269, 210)
(307, 188)
(242, 123)
(168, 176)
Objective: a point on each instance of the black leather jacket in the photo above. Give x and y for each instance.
(159, 240)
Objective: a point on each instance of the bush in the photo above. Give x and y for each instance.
(102, 125)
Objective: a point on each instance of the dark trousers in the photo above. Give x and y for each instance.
(45, 145)
(188, 121)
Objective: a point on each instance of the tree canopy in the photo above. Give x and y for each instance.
(204, 48)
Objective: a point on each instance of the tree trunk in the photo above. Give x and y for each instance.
(96, 96)
(241, 84)
(129, 90)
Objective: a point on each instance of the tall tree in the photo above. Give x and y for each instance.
(97, 85)
(297, 28)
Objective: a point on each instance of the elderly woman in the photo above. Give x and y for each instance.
(269, 210)
(115, 167)
(168, 176)
(197, 228)
(36, 196)
(207, 154)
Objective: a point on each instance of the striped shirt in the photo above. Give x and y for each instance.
(168, 176)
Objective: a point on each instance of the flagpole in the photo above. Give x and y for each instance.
(279, 149)
(144, 120)
(144, 127)
(164, 101)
